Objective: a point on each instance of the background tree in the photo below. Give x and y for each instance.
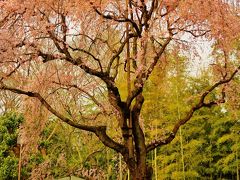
(65, 53)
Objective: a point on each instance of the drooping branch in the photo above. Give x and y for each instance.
(85, 92)
(100, 131)
(195, 33)
(200, 104)
(113, 92)
(18, 65)
(51, 109)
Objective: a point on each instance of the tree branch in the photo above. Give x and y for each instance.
(117, 54)
(85, 92)
(89, 54)
(113, 93)
(119, 19)
(100, 131)
(199, 105)
(143, 76)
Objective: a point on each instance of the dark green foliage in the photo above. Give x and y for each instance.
(9, 150)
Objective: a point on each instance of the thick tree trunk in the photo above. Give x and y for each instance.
(142, 172)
